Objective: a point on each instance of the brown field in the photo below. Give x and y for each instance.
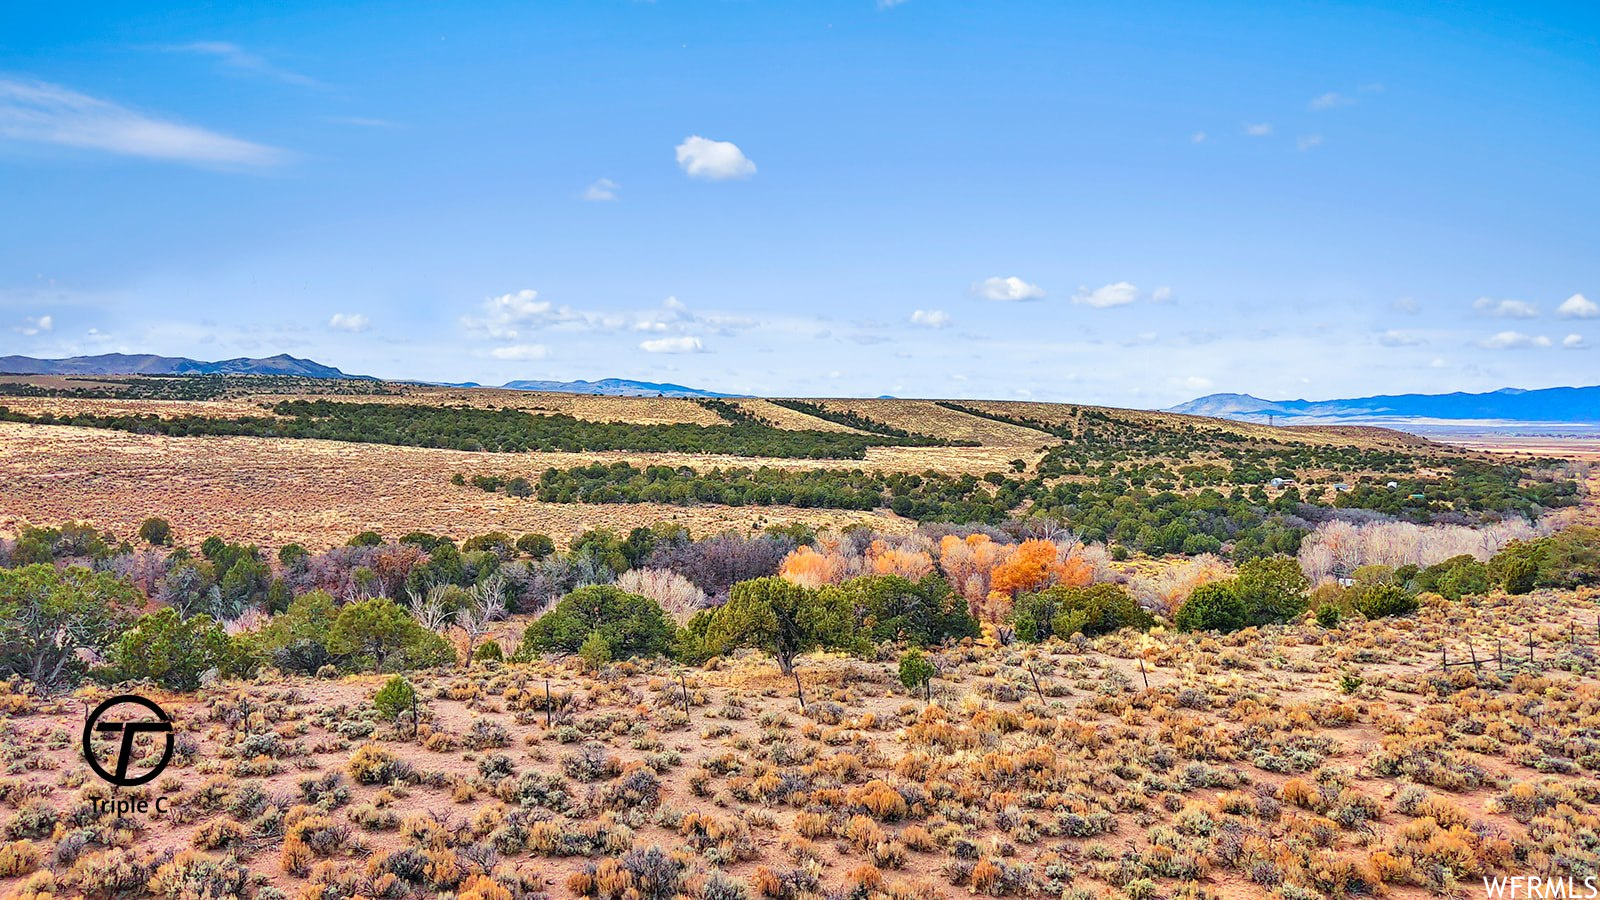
(1036, 771)
(319, 493)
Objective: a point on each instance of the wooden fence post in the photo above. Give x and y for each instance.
(1143, 674)
(549, 705)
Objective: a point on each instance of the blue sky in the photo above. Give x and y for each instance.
(1130, 204)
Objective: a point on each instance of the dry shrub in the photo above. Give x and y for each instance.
(1302, 793)
(372, 764)
(19, 858)
(677, 595)
(1165, 591)
(878, 798)
(482, 887)
(1339, 548)
(812, 825)
(219, 834)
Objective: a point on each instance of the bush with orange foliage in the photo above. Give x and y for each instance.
(827, 563)
(908, 563)
(967, 562)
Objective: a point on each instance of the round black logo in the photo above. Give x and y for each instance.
(129, 731)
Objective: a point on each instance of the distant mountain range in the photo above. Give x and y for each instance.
(149, 364)
(614, 387)
(284, 364)
(1546, 405)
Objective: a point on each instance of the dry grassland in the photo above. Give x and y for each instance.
(1243, 764)
(319, 493)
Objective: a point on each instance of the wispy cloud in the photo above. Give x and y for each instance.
(1259, 129)
(1396, 338)
(50, 114)
(1331, 100)
(32, 326)
(687, 344)
(601, 190)
(508, 316)
(931, 318)
(1119, 294)
(237, 59)
(1513, 340)
(1010, 288)
(352, 322)
(1306, 142)
(1506, 309)
(521, 352)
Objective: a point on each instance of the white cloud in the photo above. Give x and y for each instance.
(51, 114)
(349, 322)
(1260, 129)
(509, 315)
(237, 58)
(521, 352)
(1513, 340)
(1161, 295)
(1199, 137)
(602, 190)
(890, 4)
(1408, 305)
(1011, 288)
(686, 344)
(1306, 142)
(1119, 294)
(931, 318)
(1193, 383)
(1396, 338)
(512, 317)
(1331, 100)
(1573, 342)
(1578, 307)
(32, 326)
(1506, 309)
(713, 160)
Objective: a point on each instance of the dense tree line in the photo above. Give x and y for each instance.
(930, 496)
(475, 428)
(73, 600)
(852, 419)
